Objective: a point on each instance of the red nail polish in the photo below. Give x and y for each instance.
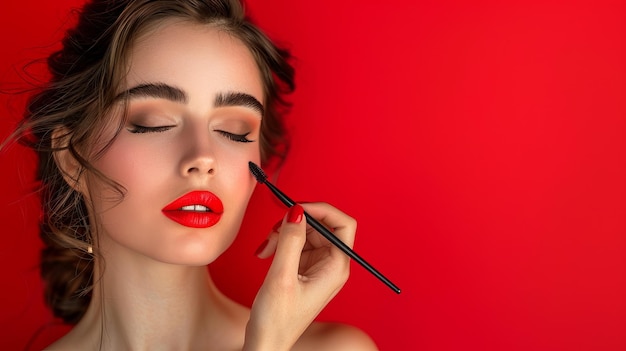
(295, 214)
(261, 247)
(277, 225)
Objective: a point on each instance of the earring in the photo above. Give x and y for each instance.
(85, 235)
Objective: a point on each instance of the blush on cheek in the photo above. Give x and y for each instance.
(128, 160)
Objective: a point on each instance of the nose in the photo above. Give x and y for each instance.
(202, 166)
(199, 156)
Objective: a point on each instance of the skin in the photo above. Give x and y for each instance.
(155, 292)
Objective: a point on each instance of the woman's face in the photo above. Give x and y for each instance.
(194, 116)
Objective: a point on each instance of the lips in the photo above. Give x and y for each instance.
(197, 209)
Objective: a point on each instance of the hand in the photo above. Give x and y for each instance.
(306, 273)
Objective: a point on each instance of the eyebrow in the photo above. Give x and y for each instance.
(155, 90)
(175, 94)
(238, 99)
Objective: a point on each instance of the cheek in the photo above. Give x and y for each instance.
(235, 166)
(135, 169)
(234, 175)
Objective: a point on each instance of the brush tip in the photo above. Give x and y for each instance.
(257, 172)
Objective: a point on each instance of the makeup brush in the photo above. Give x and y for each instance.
(260, 176)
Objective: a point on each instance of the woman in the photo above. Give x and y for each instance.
(144, 134)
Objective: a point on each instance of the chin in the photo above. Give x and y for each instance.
(199, 252)
(189, 258)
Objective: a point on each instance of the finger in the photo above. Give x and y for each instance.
(342, 225)
(267, 248)
(291, 240)
(344, 228)
(277, 225)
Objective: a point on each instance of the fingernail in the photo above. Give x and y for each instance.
(295, 214)
(277, 225)
(261, 247)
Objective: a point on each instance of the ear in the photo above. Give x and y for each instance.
(69, 167)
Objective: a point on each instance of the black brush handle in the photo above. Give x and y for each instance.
(332, 238)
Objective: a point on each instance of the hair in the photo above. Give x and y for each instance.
(68, 112)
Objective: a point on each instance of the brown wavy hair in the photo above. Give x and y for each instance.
(85, 76)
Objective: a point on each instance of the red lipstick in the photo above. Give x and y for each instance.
(197, 209)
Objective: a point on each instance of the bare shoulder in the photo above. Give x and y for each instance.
(334, 337)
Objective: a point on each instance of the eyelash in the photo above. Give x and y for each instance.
(240, 138)
(137, 129)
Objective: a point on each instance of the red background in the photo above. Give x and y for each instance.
(481, 145)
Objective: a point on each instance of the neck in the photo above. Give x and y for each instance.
(144, 304)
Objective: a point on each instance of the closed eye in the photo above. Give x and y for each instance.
(240, 138)
(137, 129)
